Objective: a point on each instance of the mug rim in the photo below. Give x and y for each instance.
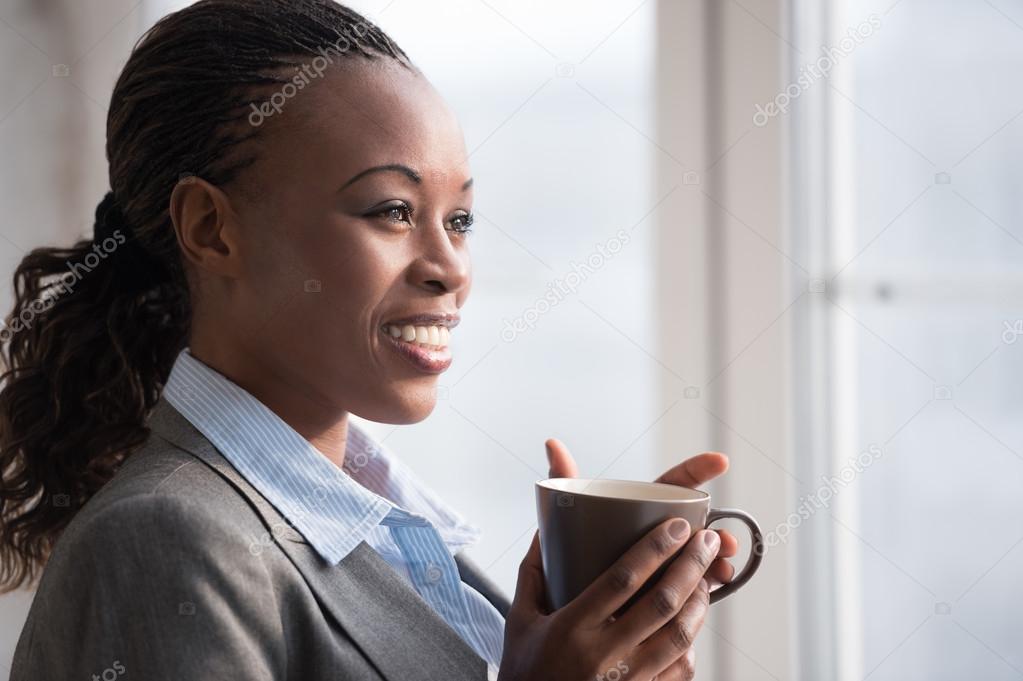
(703, 496)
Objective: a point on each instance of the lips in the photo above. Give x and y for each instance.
(422, 340)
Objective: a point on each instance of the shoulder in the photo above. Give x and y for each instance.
(163, 487)
(166, 520)
(161, 553)
(162, 505)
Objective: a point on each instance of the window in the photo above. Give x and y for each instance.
(913, 224)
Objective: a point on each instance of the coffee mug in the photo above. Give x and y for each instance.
(586, 525)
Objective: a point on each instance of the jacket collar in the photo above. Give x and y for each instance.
(374, 606)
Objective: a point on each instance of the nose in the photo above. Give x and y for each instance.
(442, 265)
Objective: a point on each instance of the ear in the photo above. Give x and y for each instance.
(206, 227)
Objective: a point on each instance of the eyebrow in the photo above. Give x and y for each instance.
(398, 168)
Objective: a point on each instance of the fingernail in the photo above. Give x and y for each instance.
(711, 540)
(678, 528)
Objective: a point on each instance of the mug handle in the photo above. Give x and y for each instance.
(756, 554)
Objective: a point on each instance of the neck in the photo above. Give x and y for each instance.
(323, 425)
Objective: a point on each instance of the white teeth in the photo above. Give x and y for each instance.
(434, 336)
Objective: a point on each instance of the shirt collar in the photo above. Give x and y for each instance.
(334, 509)
(373, 466)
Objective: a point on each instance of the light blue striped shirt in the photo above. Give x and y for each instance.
(374, 498)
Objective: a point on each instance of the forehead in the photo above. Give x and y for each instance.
(360, 113)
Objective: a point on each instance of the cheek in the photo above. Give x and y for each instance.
(355, 276)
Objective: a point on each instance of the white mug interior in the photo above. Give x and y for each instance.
(624, 489)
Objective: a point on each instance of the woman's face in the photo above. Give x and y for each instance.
(353, 238)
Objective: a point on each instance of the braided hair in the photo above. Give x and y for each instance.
(97, 326)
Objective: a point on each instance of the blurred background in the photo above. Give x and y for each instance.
(786, 230)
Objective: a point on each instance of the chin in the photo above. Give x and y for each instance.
(412, 405)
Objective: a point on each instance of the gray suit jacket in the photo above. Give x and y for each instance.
(170, 572)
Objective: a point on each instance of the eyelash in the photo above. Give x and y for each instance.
(467, 218)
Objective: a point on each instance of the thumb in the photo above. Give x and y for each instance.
(561, 463)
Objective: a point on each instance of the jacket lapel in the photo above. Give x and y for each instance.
(379, 610)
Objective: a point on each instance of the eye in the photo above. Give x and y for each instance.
(401, 212)
(462, 224)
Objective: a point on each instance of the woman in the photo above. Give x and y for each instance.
(285, 243)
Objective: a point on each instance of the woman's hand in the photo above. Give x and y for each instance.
(692, 473)
(583, 642)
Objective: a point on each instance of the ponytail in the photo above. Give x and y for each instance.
(85, 355)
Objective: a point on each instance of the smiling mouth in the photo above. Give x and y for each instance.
(422, 341)
(432, 336)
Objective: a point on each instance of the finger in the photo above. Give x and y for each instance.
(673, 643)
(696, 470)
(561, 463)
(658, 606)
(530, 593)
(729, 544)
(684, 669)
(721, 571)
(612, 589)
